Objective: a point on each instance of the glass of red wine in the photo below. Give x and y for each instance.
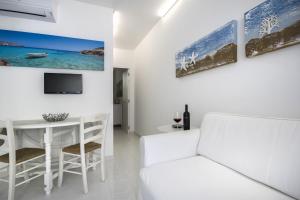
(177, 118)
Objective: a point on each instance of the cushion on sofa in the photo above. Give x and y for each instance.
(266, 150)
(198, 178)
(159, 148)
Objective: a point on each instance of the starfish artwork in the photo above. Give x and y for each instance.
(183, 64)
(193, 58)
(216, 49)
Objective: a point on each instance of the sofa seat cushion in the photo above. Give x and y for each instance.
(199, 178)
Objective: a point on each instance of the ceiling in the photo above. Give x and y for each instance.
(136, 19)
(105, 3)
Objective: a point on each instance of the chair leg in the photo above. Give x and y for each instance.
(87, 158)
(26, 176)
(12, 182)
(84, 177)
(94, 160)
(102, 165)
(61, 168)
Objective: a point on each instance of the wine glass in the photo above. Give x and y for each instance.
(177, 118)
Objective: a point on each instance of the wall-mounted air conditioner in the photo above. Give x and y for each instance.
(45, 10)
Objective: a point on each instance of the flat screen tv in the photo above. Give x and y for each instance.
(55, 83)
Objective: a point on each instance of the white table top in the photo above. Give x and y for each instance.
(168, 128)
(41, 123)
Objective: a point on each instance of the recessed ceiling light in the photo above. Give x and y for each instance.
(166, 7)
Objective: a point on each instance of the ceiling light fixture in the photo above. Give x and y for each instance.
(116, 22)
(166, 7)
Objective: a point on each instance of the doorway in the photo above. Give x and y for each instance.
(121, 98)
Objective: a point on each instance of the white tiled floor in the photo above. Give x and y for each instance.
(120, 184)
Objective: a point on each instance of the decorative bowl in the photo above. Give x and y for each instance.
(49, 117)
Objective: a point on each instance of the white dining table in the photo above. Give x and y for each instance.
(48, 138)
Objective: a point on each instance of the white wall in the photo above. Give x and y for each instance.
(21, 89)
(124, 58)
(265, 85)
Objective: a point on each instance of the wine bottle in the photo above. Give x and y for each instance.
(186, 119)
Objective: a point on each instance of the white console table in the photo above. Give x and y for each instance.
(48, 136)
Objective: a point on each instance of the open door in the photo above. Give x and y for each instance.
(121, 98)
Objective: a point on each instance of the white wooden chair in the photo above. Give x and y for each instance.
(92, 138)
(17, 161)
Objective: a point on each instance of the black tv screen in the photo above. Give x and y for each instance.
(62, 83)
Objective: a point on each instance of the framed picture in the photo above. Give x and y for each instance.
(217, 49)
(272, 25)
(22, 49)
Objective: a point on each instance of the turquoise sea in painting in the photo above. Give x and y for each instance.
(17, 57)
(23, 49)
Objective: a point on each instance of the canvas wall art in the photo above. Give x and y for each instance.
(217, 49)
(22, 49)
(272, 25)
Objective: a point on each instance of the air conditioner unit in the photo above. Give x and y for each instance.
(45, 10)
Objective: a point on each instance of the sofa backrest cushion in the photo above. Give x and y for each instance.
(266, 150)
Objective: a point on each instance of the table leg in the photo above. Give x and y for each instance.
(48, 181)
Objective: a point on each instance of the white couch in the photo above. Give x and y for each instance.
(229, 158)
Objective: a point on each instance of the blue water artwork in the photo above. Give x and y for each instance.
(216, 49)
(272, 25)
(23, 49)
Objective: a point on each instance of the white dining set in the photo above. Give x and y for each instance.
(20, 165)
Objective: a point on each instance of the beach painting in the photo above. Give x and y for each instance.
(216, 49)
(23, 49)
(272, 25)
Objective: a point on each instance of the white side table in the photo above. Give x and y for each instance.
(168, 128)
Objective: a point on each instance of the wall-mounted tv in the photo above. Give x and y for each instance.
(55, 83)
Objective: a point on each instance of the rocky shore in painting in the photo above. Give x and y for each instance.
(3, 62)
(96, 52)
(225, 55)
(277, 40)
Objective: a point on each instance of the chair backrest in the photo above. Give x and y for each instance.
(8, 145)
(93, 129)
(264, 149)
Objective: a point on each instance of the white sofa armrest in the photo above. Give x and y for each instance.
(170, 146)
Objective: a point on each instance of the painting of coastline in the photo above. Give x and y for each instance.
(22, 49)
(272, 25)
(217, 49)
